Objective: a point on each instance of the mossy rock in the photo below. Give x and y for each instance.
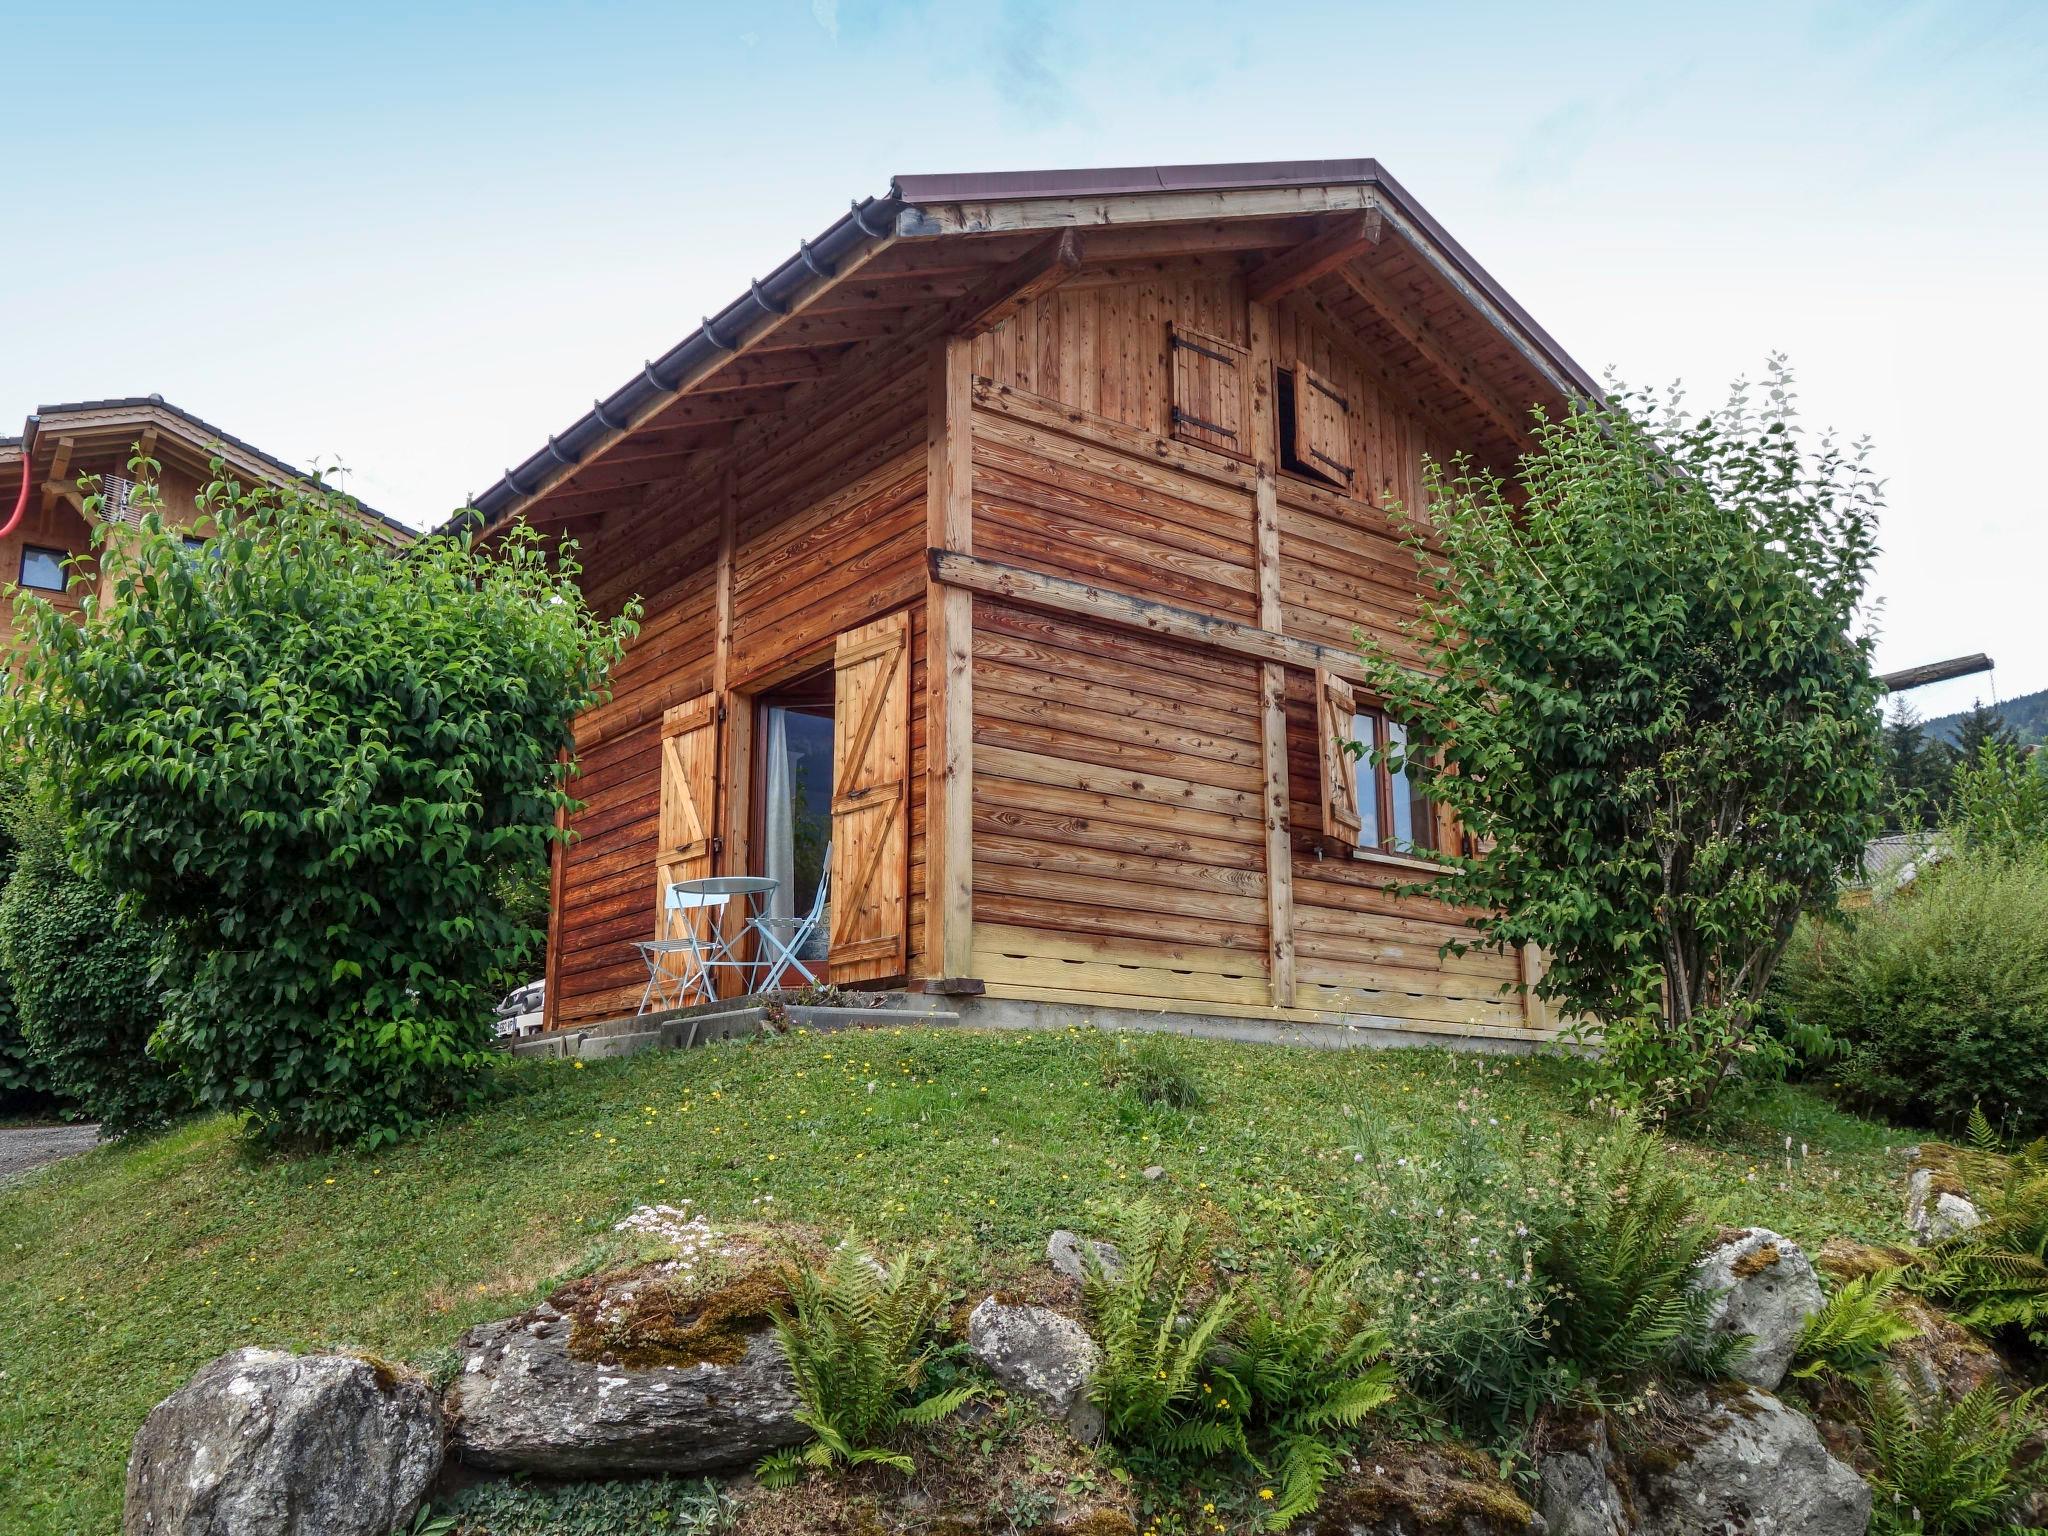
(644, 1318)
(1423, 1490)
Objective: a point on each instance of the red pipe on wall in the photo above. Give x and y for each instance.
(21, 501)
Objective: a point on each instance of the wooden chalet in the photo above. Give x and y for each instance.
(59, 443)
(1010, 539)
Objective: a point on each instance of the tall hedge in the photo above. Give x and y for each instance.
(311, 757)
(83, 978)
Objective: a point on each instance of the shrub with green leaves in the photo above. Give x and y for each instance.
(2000, 808)
(1949, 1468)
(1855, 1328)
(24, 1080)
(1652, 713)
(313, 758)
(1152, 1070)
(859, 1339)
(1937, 998)
(83, 972)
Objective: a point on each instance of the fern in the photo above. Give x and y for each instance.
(1624, 1305)
(857, 1336)
(1947, 1469)
(1154, 1351)
(1854, 1329)
(1306, 1370)
(1994, 1277)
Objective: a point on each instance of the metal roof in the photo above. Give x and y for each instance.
(875, 218)
(203, 429)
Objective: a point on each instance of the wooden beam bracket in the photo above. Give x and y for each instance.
(1314, 258)
(1007, 290)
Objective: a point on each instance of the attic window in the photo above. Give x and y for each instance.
(1208, 391)
(1315, 428)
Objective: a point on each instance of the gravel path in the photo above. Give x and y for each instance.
(21, 1150)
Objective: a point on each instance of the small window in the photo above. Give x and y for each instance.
(1208, 391)
(43, 568)
(1315, 427)
(1366, 804)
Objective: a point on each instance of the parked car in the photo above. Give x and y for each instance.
(519, 1011)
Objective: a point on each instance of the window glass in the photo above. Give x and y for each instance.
(793, 801)
(1413, 814)
(1367, 778)
(43, 568)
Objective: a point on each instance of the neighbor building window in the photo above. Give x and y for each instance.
(42, 568)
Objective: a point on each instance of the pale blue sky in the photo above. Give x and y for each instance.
(419, 237)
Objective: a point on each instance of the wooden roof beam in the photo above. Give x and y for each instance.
(60, 467)
(1038, 271)
(1350, 236)
(1413, 327)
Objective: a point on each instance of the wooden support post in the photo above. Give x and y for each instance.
(1264, 443)
(1007, 290)
(949, 672)
(558, 873)
(1531, 965)
(736, 729)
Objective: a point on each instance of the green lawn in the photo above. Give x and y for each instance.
(125, 1269)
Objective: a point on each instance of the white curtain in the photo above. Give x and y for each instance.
(778, 831)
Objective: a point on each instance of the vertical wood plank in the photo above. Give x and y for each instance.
(558, 870)
(949, 672)
(1257, 399)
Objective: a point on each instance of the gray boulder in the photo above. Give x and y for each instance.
(1768, 1291)
(1935, 1213)
(1041, 1356)
(1065, 1248)
(523, 1403)
(1714, 1462)
(265, 1443)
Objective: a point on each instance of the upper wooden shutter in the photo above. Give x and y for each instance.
(1336, 709)
(1322, 426)
(1209, 391)
(870, 898)
(684, 842)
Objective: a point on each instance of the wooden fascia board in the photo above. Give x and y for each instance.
(1412, 327)
(1018, 215)
(1080, 599)
(1313, 258)
(1470, 292)
(1007, 290)
(798, 305)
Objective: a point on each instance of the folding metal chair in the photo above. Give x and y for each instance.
(780, 953)
(679, 959)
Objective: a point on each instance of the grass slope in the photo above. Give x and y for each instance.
(127, 1268)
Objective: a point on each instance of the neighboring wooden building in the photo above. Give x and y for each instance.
(60, 443)
(1051, 502)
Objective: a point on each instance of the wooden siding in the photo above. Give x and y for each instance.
(828, 522)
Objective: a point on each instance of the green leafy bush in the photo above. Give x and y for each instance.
(859, 1338)
(1938, 998)
(1855, 1327)
(1948, 1468)
(2001, 802)
(24, 1080)
(1652, 713)
(315, 759)
(84, 978)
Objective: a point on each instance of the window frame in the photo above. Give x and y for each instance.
(1380, 818)
(21, 568)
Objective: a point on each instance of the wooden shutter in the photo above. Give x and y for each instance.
(870, 897)
(1336, 707)
(1209, 391)
(1322, 426)
(689, 795)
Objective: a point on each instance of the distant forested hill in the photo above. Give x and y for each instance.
(2027, 714)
